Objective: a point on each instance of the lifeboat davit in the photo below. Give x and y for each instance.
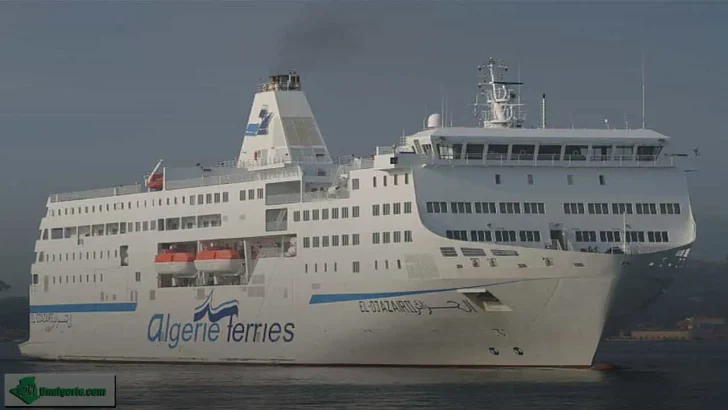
(175, 263)
(219, 261)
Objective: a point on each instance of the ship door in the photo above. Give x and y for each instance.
(557, 239)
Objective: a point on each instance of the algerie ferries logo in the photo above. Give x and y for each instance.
(262, 127)
(206, 327)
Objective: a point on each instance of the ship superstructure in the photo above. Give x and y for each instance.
(496, 245)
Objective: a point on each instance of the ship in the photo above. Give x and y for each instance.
(494, 244)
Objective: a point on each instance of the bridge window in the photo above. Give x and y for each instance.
(474, 151)
(549, 152)
(648, 152)
(497, 151)
(522, 152)
(576, 152)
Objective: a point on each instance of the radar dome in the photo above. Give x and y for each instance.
(434, 121)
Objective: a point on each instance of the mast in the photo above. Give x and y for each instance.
(502, 105)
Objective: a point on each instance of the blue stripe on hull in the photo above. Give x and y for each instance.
(84, 308)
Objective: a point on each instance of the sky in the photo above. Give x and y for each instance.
(92, 94)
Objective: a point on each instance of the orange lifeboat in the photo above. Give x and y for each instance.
(156, 182)
(175, 263)
(219, 261)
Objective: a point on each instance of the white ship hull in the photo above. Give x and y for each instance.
(405, 322)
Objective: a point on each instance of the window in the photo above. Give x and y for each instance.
(601, 180)
(598, 208)
(621, 208)
(610, 236)
(261, 193)
(505, 236)
(384, 180)
(646, 208)
(296, 216)
(530, 179)
(355, 184)
(225, 197)
(510, 208)
(406, 179)
(334, 213)
(325, 213)
(395, 179)
(251, 194)
(208, 198)
(345, 240)
(306, 215)
(138, 276)
(344, 212)
(334, 240)
(375, 238)
(375, 210)
(315, 214)
(386, 209)
(385, 237)
(306, 242)
(408, 207)
(242, 196)
(397, 208)
(354, 211)
(355, 239)
(374, 182)
(481, 236)
(586, 236)
(534, 208)
(397, 236)
(315, 241)
(325, 241)
(497, 179)
(529, 236)
(570, 179)
(355, 266)
(408, 236)
(670, 209)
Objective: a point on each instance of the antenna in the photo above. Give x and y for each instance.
(643, 89)
(543, 111)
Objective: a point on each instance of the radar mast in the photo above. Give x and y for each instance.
(501, 108)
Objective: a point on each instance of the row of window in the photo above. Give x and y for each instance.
(393, 209)
(324, 214)
(641, 208)
(616, 236)
(544, 152)
(571, 208)
(197, 199)
(355, 266)
(530, 179)
(391, 237)
(326, 241)
(441, 207)
(117, 228)
(395, 180)
(120, 253)
(500, 236)
(90, 278)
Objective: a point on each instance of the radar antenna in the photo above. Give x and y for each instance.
(502, 107)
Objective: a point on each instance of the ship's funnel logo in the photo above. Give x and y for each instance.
(214, 314)
(260, 128)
